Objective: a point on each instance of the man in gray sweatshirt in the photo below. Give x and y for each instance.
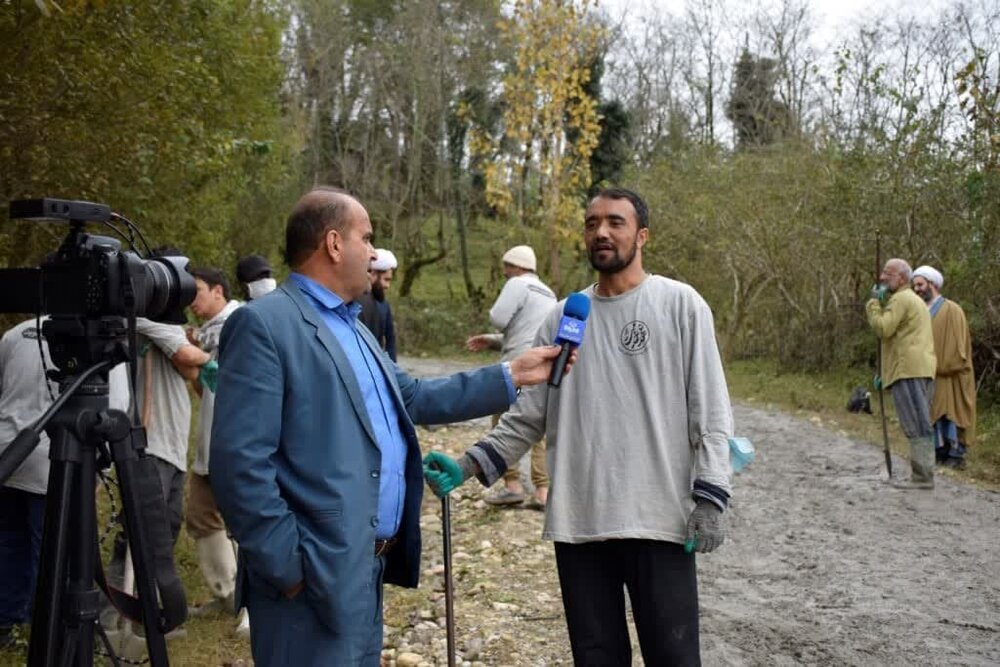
(637, 450)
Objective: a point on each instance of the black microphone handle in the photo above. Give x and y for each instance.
(559, 366)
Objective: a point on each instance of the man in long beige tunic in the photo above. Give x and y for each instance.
(953, 409)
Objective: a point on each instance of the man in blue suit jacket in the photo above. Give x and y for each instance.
(315, 463)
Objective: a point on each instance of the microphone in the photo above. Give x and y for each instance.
(570, 333)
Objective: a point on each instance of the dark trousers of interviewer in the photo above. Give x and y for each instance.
(662, 587)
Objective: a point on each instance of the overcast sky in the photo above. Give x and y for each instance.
(833, 17)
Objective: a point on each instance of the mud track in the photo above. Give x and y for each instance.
(826, 564)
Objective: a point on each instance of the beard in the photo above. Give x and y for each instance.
(927, 296)
(377, 291)
(613, 264)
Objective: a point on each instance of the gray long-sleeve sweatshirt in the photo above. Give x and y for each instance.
(643, 414)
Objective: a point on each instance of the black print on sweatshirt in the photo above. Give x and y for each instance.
(634, 337)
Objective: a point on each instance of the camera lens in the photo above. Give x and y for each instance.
(167, 288)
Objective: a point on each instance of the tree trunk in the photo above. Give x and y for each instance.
(413, 266)
(463, 252)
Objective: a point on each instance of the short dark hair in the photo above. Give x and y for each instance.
(212, 277)
(310, 220)
(641, 210)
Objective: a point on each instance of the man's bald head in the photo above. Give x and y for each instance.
(317, 212)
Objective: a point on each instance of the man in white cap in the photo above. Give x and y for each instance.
(518, 312)
(375, 311)
(953, 409)
(900, 320)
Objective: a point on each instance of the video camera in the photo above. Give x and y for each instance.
(93, 291)
(89, 284)
(89, 275)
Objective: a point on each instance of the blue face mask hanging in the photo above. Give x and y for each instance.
(741, 453)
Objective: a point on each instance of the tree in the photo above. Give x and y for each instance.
(758, 117)
(786, 36)
(539, 174)
(610, 155)
(168, 111)
(704, 26)
(381, 84)
(645, 67)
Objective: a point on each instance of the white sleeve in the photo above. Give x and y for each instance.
(169, 338)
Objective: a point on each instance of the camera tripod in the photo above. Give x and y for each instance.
(67, 600)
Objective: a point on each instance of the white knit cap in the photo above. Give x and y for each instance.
(384, 260)
(522, 256)
(930, 274)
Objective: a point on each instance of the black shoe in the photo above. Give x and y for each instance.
(955, 463)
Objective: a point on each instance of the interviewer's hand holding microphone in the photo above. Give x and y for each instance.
(443, 473)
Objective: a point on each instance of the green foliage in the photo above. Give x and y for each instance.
(782, 242)
(168, 111)
(607, 163)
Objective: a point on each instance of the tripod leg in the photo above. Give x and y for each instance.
(124, 456)
(66, 602)
(82, 597)
(47, 615)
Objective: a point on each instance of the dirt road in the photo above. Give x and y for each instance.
(826, 564)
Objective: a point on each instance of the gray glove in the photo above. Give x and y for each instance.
(706, 529)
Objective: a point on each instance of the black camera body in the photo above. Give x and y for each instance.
(91, 276)
(90, 285)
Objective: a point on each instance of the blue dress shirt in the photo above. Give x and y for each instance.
(342, 320)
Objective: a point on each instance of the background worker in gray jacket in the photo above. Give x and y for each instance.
(523, 304)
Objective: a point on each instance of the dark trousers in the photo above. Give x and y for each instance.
(21, 520)
(662, 586)
(172, 485)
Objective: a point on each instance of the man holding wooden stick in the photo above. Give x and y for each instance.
(902, 323)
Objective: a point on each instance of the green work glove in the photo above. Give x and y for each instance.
(880, 292)
(443, 474)
(208, 376)
(706, 531)
(877, 382)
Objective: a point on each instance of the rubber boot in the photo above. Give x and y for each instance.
(218, 563)
(921, 465)
(243, 627)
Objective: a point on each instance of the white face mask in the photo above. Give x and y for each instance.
(259, 288)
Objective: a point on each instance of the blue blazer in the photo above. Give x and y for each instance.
(294, 464)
